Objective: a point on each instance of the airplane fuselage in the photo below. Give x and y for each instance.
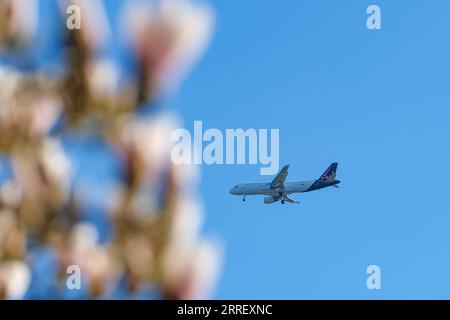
(264, 188)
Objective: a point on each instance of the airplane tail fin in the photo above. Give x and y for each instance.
(330, 173)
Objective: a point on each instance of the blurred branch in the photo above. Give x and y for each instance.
(39, 206)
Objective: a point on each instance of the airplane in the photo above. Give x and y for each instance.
(278, 189)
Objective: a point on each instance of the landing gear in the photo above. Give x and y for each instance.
(281, 196)
(243, 199)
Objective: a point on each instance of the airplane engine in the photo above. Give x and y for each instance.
(269, 199)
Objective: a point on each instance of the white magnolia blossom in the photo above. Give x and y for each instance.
(169, 37)
(191, 264)
(206, 267)
(20, 18)
(94, 25)
(15, 277)
(192, 270)
(103, 78)
(150, 138)
(56, 162)
(41, 110)
(84, 237)
(84, 251)
(9, 82)
(10, 194)
(45, 111)
(187, 221)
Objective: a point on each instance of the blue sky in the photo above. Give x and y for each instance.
(375, 101)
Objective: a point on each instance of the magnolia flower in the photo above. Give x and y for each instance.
(205, 268)
(190, 265)
(45, 110)
(10, 194)
(18, 21)
(93, 259)
(191, 272)
(9, 82)
(149, 139)
(15, 278)
(187, 221)
(140, 258)
(103, 79)
(27, 104)
(146, 145)
(56, 164)
(93, 25)
(83, 238)
(167, 38)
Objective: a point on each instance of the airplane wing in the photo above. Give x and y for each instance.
(278, 181)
